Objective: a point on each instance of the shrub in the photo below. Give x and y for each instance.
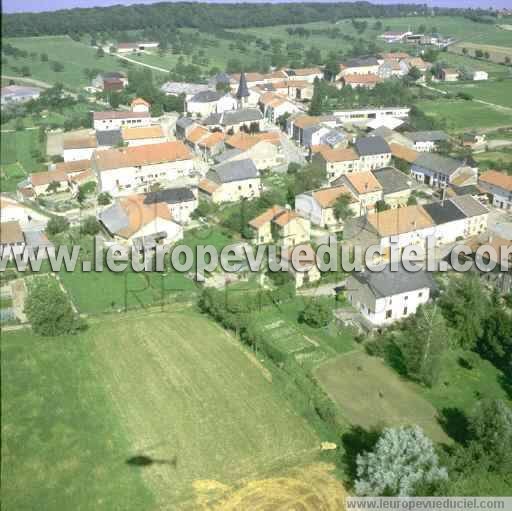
(317, 314)
(90, 226)
(57, 224)
(104, 198)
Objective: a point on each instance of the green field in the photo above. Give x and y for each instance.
(497, 92)
(463, 115)
(170, 388)
(75, 56)
(494, 70)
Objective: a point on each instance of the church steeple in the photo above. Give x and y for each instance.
(243, 92)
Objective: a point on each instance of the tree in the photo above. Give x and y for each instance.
(316, 105)
(422, 340)
(49, 310)
(342, 209)
(57, 224)
(491, 429)
(58, 67)
(402, 462)
(90, 226)
(114, 99)
(465, 306)
(382, 205)
(412, 200)
(414, 74)
(317, 314)
(104, 198)
(100, 53)
(25, 71)
(44, 57)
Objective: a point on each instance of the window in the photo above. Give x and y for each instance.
(405, 311)
(388, 314)
(420, 294)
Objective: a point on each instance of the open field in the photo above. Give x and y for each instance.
(463, 115)
(496, 53)
(75, 56)
(459, 60)
(165, 398)
(369, 394)
(497, 92)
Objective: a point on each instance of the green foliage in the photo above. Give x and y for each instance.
(48, 309)
(57, 224)
(342, 209)
(90, 226)
(104, 198)
(317, 314)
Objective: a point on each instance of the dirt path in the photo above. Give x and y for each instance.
(32, 81)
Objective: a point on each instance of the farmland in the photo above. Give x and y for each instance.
(171, 388)
(496, 92)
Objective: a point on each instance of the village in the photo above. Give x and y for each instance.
(303, 369)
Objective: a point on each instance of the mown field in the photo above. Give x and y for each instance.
(74, 56)
(139, 412)
(461, 115)
(496, 92)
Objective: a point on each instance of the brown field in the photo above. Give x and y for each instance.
(311, 487)
(497, 53)
(371, 394)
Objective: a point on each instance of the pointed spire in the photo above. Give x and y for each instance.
(243, 91)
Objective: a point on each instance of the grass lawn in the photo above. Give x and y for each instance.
(368, 394)
(456, 60)
(75, 56)
(497, 92)
(462, 115)
(170, 388)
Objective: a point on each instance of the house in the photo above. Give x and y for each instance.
(391, 68)
(439, 171)
(396, 186)
(364, 115)
(108, 139)
(383, 297)
(181, 202)
(448, 219)
(318, 206)
(308, 74)
(480, 75)
(16, 94)
(477, 215)
(280, 225)
(262, 148)
(359, 66)
(426, 141)
(274, 106)
(143, 135)
(140, 225)
(396, 56)
(403, 155)
(124, 170)
(212, 144)
(79, 145)
(499, 186)
(305, 271)
(364, 187)
(336, 162)
(184, 125)
(244, 119)
(474, 140)
(333, 138)
(231, 181)
(392, 137)
(110, 81)
(11, 238)
(209, 102)
(374, 153)
(183, 88)
(300, 127)
(354, 81)
(449, 74)
(114, 120)
(73, 168)
(140, 105)
(400, 227)
(395, 37)
(409, 62)
(43, 183)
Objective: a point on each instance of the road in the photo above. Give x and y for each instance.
(128, 59)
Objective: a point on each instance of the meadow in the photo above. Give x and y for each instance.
(136, 412)
(461, 115)
(496, 92)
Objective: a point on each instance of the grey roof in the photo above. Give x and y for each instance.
(332, 138)
(234, 171)
(219, 78)
(426, 136)
(243, 91)
(387, 283)
(36, 239)
(437, 163)
(242, 115)
(368, 146)
(227, 155)
(443, 212)
(212, 120)
(178, 88)
(392, 180)
(469, 206)
(114, 218)
(109, 137)
(170, 196)
(184, 122)
(362, 61)
(207, 96)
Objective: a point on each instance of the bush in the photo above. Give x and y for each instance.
(57, 224)
(49, 311)
(90, 226)
(317, 314)
(104, 199)
(293, 167)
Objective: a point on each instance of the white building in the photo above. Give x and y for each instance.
(125, 170)
(499, 186)
(374, 153)
(480, 75)
(209, 102)
(12, 94)
(366, 114)
(426, 141)
(115, 120)
(181, 202)
(384, 297)
(79, 146)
